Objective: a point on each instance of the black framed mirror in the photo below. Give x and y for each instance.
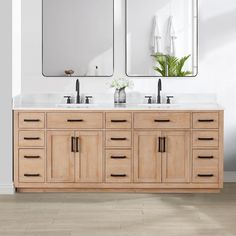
(78, 38)
(161, 38)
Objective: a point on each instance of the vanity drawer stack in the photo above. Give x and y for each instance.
(207, 145)
(30, 140)
(118, 141)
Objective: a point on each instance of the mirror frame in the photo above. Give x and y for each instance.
(195, 25)
(78, 76)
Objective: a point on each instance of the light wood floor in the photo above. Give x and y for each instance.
(106, 214)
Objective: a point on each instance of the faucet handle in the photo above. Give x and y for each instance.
(149, 99)
(68, 101)
(168, 99)
(87, 101)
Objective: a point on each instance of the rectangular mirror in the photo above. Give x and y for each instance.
(78, 38)
(161, 38)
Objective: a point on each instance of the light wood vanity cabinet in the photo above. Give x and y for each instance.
(74, 156)
(60, 156)
(146, 151)
(162, 156)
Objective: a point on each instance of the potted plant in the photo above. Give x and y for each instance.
(120, 85)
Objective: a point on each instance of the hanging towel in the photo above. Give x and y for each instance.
(155, 38)
(171, 37)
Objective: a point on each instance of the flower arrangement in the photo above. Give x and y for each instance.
(121, 83)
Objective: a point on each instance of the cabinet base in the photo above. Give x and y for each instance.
(113, 190)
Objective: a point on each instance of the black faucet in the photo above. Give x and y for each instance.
(159, 92)
(78, 92)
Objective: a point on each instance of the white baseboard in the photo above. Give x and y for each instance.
(7, 189)
(230, 176)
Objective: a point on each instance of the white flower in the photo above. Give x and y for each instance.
(121, 83)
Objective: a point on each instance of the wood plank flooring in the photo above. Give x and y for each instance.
(117, 214)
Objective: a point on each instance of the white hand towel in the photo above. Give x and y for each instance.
(171, 37)
(155, 38)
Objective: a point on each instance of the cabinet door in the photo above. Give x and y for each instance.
(60, 156)
(147, 158)
(175, 159)
(89, 167)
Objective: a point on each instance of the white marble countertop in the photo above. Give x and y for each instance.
(52, 103)
(96, 107)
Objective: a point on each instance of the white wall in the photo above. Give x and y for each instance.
(217, 62)
(6, 98)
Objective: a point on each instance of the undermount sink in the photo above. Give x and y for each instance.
(154, 105)
(73, 105)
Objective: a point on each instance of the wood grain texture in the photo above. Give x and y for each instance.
(118, 162)
(176, 158)
(146, 169)
(89, 158)
(31, 138)
(74, 120)
(114, 139)
(116, 120)
(206, 120)
(147, 158)
(31, 120)
(60, 158)
(155, 120)
(214, 135)
(87, 214)
(31, 162)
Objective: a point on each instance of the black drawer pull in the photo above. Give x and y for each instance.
(118, 175)
(31, 120)
(32, 175)
(72, 144)
(205, 175)
(77, 146)
(118, 121)
(206, 157)
(210, 120)
(162, 121)
(31, 138)
(118, 157)
(31, 157)
(205, 139)
(164, 145)
(118, 139)
(78, 120)
(159, 145)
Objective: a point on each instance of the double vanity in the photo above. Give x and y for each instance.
(132, 148)
(94, 146)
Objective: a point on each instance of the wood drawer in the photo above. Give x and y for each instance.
(31, 138)
(205, 175)
(205, 120)
(118, 120)
(31, 120)
(31, 165)
(75, 120)
(118, 166)
(205, 139)
(118, 157)
(118, 139)
(205, 159)
(157, 120)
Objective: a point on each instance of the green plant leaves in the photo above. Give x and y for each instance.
(173, 64)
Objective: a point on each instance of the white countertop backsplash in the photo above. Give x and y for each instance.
(105, 102)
